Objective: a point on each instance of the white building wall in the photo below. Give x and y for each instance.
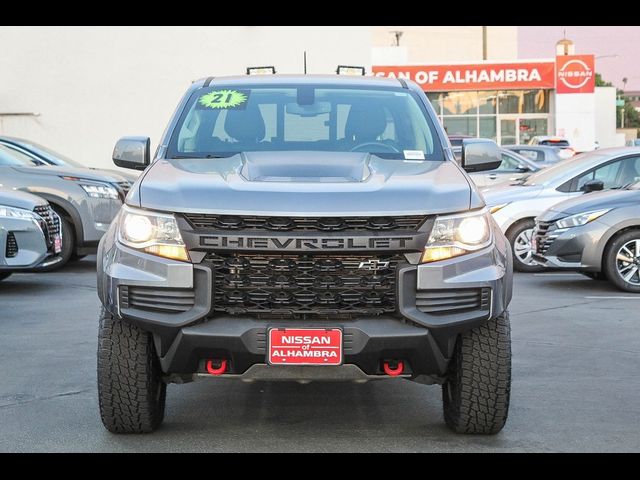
(92, 85)
(575, 119)
(605, 118)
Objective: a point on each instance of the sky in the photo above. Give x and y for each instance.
(539, 42)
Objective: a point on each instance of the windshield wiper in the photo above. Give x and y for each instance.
(210, 155)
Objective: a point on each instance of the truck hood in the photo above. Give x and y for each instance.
(99, 175)
(305, 183)
(14, 198)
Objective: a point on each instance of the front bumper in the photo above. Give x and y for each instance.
(24, 241)
(577, 248)
(185, 336)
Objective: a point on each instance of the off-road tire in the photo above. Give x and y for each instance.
(131, 392)
(476, 394)
(512, 235)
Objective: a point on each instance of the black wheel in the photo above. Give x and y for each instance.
(68, 244)
(622, 261)
(475, 395)
(599, 276)
(519, 237)
(131, 392)
(4, 275)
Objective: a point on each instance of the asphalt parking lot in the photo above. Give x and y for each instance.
(576, 353)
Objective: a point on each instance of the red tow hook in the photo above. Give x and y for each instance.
(216, 371)
(393, 372)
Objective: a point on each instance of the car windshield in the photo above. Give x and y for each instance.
(9, 156)
(49, 155)
(556, 170)
(222, 121)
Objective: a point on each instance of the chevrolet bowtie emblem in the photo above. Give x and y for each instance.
(373, 265)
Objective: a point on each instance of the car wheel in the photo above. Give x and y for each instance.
(622, 262)
(4, 275)
(131, 392)
(476, 393)
(520, 236)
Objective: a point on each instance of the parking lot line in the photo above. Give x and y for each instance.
(612, 297)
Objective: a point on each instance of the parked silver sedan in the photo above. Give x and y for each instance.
(30, 237)
(512, 168)
(515, 206)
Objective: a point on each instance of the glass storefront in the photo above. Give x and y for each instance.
(508, 117)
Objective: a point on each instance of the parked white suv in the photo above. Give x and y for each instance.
(515, 206)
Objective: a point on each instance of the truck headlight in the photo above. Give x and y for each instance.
(13, 212)
(455, 235)
(580, 219)
(152, 232)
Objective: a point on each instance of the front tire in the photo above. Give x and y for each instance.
(622, 262)
(68, 244)
(520, 236)
(131, 392)
(476, 394)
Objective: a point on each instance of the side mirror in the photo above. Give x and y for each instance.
(523, 168)
(593, 186)
(480, 154)
(132, 152)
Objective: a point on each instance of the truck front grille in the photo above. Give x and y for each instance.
(447, 302)
(163, 300)
(11, 249)
(301, 286)
(544, 236)
(315, 224)
(51, 222)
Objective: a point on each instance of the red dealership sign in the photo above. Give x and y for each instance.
(575, 73)
(486, 76)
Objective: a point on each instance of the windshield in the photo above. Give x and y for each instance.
(391, 123)
(555, 171)
(49, 155)
(9, 156)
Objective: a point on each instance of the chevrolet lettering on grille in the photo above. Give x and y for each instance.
(224, 242)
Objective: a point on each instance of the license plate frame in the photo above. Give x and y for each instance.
(333, 344)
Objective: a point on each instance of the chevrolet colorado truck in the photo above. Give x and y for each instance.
(304, 228)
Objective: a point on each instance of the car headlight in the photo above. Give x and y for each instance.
(497, 208)
(455, 235)
(151, 232)
(100, 191)
(580, 219)
(13, 212)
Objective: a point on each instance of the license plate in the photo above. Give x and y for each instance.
(305, 346)
(57, 244)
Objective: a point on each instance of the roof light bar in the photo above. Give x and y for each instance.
(350, 70)
(261, 70)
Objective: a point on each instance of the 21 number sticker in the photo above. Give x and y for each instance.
(224, 99)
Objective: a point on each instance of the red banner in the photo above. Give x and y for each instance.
(575, 73)
(486, 76)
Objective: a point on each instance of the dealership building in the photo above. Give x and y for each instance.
(78, 89)
(513, 101)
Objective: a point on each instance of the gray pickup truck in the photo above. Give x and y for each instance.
(304, 228)
(30, 236)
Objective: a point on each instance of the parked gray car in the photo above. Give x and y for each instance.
(542, 155)
(86, 199)
(30, 237)
(304, 227)
(598, 235)
(515, 206)
(512, 168)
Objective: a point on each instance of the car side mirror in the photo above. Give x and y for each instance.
(132, 152)
(480, 154)
(523, 168)
(593, 186)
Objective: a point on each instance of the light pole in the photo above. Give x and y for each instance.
(484, 43)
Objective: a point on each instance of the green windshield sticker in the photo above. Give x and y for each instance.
(224, 99)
